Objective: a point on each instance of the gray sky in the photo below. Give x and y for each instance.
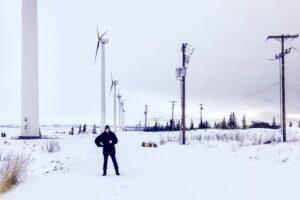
(230, 59)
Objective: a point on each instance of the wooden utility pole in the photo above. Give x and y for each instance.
(201, 121)
(183, 49)
(187, 50)
(282, 38)
(172, 119)
(146, 113)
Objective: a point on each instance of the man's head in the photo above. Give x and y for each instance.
(107, 129)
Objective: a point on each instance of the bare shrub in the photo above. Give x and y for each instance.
(13, 170)
(163, 139)
(52, 146)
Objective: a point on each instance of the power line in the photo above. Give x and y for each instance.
(251, 95)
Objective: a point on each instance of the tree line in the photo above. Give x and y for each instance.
(230, 123)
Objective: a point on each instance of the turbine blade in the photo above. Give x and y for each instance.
(98, 33)
(97, 50)
(103, 35)
(111, 87)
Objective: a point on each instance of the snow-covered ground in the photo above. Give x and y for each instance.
(207, 168)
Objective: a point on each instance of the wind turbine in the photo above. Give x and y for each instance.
(114, 84)
(103, 41)
(123, 118)
(119, 101)
(122, 114)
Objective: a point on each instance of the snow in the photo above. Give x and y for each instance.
(206, 169)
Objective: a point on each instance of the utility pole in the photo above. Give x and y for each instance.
(172, 119)
(183, 49)
(282, 38)
(187, 51)
(146, 113)
(201, 121)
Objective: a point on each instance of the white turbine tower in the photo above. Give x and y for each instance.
(123, 118)
(114, 84)
(120, 110)
(30, 84)
(103, 41)
(122, 114)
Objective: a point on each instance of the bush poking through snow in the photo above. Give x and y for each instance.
(52, 146)
(243, 138)
(13, 170)
(163, 139)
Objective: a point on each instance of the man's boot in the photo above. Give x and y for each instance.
(104, 172)
(117, 172)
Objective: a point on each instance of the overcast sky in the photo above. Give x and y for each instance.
(230, 62)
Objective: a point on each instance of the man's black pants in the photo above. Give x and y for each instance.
(113, 158)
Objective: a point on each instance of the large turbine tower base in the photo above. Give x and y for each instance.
(30, 86)
(103, 97)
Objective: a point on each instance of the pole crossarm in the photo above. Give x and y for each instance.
(283, 37)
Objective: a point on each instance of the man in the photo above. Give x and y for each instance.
(107, 140)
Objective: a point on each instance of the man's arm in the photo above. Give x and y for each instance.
(98, 141)
(114, 138)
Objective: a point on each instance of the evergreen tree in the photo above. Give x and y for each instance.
(192, 125)
(178, 125)
(215, 125)
(291, 124)
(72, 131)
(172, 124)
(79, 130)
(156, 125)
(299, 124)
(229, 121)
(232, 123)
(274, 123)
(223, 124)
(206, 124)
(244, 123)
(84, 128)
(167, 126)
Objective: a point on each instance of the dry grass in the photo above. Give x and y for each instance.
(52, 146)
(13, 170)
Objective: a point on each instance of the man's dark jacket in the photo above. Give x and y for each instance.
(108, 148)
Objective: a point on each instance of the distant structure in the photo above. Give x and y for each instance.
(146, 115)
(122, 114)
(123, 119)
(114, 84)
(30, 80)
(201, 120)
(172, 117)
(119, 96)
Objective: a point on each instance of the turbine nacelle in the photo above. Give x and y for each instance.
(100, 40)
(104, 41)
